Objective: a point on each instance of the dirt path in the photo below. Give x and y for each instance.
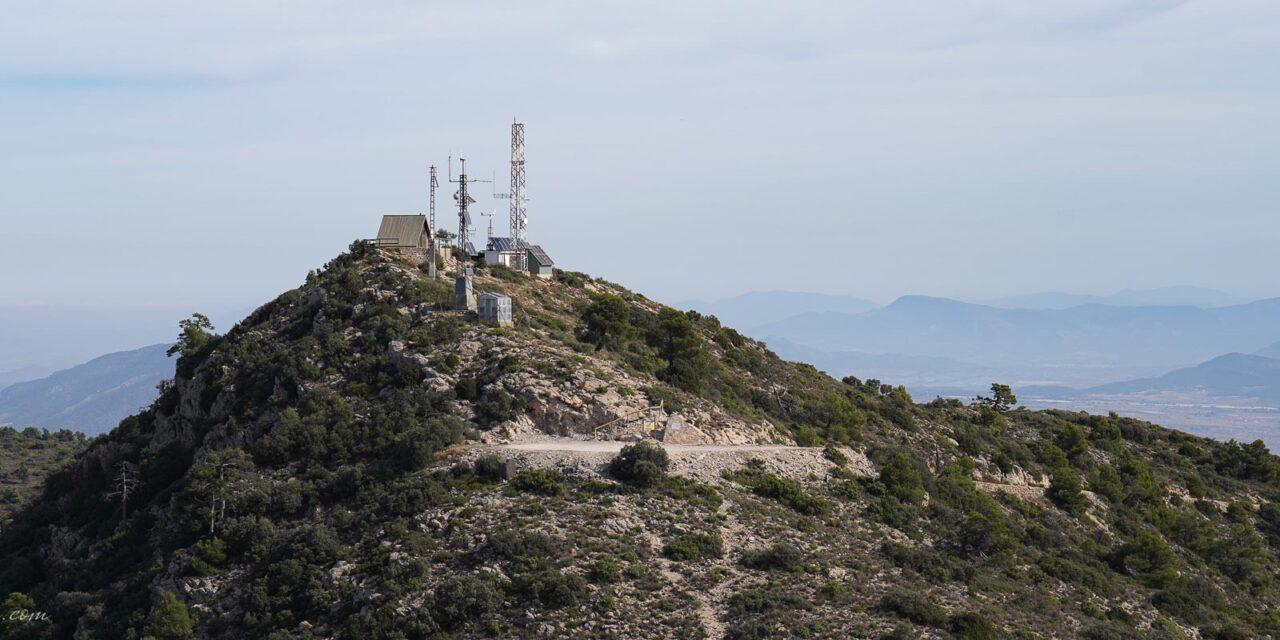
(613, 446)
(703, 462)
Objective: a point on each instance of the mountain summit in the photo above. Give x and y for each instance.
(357, 460)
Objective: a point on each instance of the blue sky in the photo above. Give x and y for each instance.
(209, 154)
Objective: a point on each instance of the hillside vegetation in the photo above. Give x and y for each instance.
(305, 476)
(27, 457)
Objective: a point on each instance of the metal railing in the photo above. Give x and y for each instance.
(635, 415)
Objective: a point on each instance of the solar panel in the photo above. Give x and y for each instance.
(499, 243)
(540, 255)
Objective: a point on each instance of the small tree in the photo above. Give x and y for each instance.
(1065, 491)
(195, 332)
(125, 482)
(901, 479)
(170, 620)
(1001, 399)
(20, 619)
(678, 343)
(606, 322)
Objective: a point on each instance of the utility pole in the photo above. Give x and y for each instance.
(434, 184)
(431, 227)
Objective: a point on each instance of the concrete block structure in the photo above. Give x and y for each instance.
(464, 297)
(495, 307)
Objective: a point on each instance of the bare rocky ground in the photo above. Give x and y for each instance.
(705, 463)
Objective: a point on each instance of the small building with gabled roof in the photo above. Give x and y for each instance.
(540, 264)
(403, 232)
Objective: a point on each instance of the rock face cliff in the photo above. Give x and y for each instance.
(334, 466)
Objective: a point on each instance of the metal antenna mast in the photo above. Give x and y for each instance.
(434, 183)
(464, 200)
(518, 216)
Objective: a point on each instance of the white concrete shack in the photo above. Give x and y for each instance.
(495, 307)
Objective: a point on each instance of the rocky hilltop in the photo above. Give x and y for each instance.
(356, 460)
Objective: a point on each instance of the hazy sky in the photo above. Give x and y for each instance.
(210, 153)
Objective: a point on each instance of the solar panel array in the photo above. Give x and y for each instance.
(540, 255)
(502, 244)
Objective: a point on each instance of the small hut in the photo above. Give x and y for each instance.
(540, 264)
(495, 307)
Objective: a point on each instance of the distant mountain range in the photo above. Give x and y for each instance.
(1233, 374)
(925, 370)
(92, 397)
(1164, 296)
(40, 339)
(762, 307)
(1272, 351)
(21, 374)
(1080, 346)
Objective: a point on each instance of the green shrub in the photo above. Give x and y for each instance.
(209, 555)
(694, 546)
(789, 493)
(807, 436)
(514, 546)
(643, 464)
(170, 620)
(550, 588)
(489, 467)
(462, 599)
(1147, 558)
(985, 532)
(751, 630)
(667, 397)
(606, 322)
(547, 482)
(972, 626)
(893, 512)
(901, 479)
(677, 341)
(606, 571)
(1106, 483)
(833, 454)
(1065, 491)
(762, 601)
(496, 405)
(914, 607)
(465, 388)
(779, 557)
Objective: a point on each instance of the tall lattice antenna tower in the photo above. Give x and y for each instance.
(464, 200)
(519, 216)
(434, 183)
